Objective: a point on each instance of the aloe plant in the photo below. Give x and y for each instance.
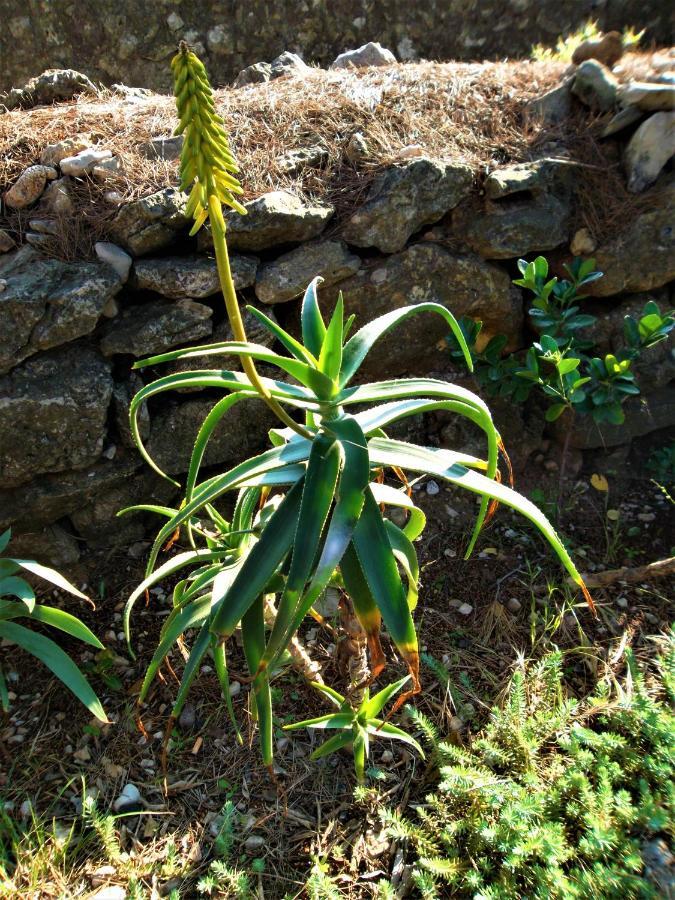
(25, 606)
(309, 512)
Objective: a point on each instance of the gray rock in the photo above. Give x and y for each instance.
(370, 54)
(357, 148)
(241, 433)
(71, 146)
(47, 302)
(52, 85)
(167, 147)
(647, 96)
(551, 108)
(191, 276)
(506, 231)
(6, 242)
(52, 546)
(58, 406)
(157, 326)
(50, 497)
(273, 219)
(288, 276)
(29, 186)
(403, 199)
(57, 197)
(115, 257)
(258, 73)
(623, 119)
(84, 161)
(660, 866)
(644, 414)
(123, 393)
(642, 256)
(538, 177)
(129, 796)
(465, 284)
(288, 63)
(649, 150)
(595, 86)
(295, 160)
(151, 223)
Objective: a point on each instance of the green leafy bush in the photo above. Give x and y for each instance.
(44, 649)
(558, 364)
(555, 798)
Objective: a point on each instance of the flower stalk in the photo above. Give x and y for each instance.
(208, 171)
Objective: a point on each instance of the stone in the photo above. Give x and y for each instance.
(108, 168)
(48, 498)
(370, 54)
(649, 149)
(273, 219)
(608, 49)
(289, 275)
(52, 546)
(294, 161)
(465, 609)
(179, 277)
(623, 119)
(642, 256)
(660, 865)
(151, 223)
(595, 86)
(551, 108)
(241, 433)
(123, 393)
(513, 604)
(288, 63)
(6, 242)
(44, 226)
(403, 199)
(582, 243)
(48, 302)
(154, 327)
(166, 147)
(54, 153)
(465, 284)
(129, 800)
(258, 73)
(57, 198)
(84, 161)
(647, 95)
(51, 85)
(357, 148)
(58, 406)
(220, 40)
(644, 415)
(115, 257)
(536, 177)
(29, 186)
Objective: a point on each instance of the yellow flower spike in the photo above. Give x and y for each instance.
(208, 172)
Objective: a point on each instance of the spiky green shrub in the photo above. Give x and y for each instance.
(555, 798)
(324, 525)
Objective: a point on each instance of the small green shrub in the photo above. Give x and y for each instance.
(558, 364)
(555, 797)
(44, 649)
(565, 46)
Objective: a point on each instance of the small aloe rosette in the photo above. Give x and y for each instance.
(207, 167)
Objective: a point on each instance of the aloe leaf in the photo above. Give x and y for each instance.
(360, 749)
(331, 720)
(253, 637)
(5, 538)
(365, 607)
(18, 587)
(50, 575)
(4, 693)
(220, 660)
(57, 618)
(330, 358)
(207, 428)
(377, 703)
(387, 495)
(295, 347)
(329, 692)
(437, 462)
(49, 653)
(384, 729)
(313, 327)
(260, 564)
(199, 648)
(182, 618)
(357, 347)
(407, 558)
(332, 745)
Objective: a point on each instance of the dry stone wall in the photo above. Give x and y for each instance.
(427, 230)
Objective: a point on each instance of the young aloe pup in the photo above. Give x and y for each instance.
(324, 525)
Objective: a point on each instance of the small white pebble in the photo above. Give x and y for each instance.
(465, 609)
(387, 757)
(432, 488)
